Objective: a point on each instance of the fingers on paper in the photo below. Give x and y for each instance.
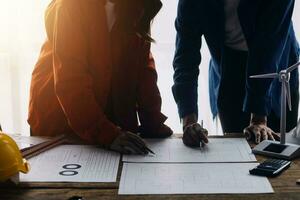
(201, 132)
(138, 141)
(131, 148)
(128, 143)
(190, 137)
(194, 134)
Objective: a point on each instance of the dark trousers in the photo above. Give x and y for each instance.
(232, 93)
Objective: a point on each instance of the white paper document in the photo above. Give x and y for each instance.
(192, 178)
(25, 142)
(217, 150)
(73, 163)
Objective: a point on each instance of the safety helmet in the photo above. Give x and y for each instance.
(11, 161)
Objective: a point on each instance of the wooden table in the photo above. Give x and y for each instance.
(285, 188)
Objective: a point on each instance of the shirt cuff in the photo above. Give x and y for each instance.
(186, 97)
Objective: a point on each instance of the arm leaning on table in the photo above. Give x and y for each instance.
(149, 102)
(266, 43)
(72, 81)
(186, 70)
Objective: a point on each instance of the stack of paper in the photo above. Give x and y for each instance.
(220, 167)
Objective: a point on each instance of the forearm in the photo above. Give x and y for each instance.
(84, 115)
(186, 71)
(73, 83)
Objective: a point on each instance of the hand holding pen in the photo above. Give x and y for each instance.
(194, 135)
(130, 143)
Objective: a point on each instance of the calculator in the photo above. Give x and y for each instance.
(270, 167)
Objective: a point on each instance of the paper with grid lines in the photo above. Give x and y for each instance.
(191, 178)
(73, 163)
(174, 151)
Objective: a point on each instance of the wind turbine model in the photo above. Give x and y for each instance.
(272, 148)
(296, 131)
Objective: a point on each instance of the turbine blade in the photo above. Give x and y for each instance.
(272, 75)
(293, 67)
(288, 94)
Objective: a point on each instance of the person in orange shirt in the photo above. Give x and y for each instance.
(95, 77)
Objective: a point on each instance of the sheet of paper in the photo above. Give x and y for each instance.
(217, 150)
(73, 163)
(24, 142)
(192, 178)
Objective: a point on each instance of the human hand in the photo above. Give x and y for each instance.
(258, 130)
(193, 134)
(129, 143)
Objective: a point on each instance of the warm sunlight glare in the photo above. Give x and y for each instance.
(20, 21)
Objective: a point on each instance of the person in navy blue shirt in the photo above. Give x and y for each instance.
(244, 37)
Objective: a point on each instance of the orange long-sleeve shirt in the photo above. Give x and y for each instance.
(73, 85)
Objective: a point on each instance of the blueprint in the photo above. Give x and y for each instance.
(191, 178)
(174, 151)
(73, 163)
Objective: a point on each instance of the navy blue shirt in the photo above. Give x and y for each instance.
(271, 41)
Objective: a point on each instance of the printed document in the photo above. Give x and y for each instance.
(25, 142)
(191, 178)
(174, 151)
(73, 163)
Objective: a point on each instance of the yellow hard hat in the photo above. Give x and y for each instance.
(11, 161)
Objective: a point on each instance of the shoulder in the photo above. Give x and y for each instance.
(78, 10)
(74, 5)
(192, 10)
(189, 5)
(62, 6)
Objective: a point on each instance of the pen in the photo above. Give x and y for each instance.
(149, 150)
(146, 148)
(201, 142)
